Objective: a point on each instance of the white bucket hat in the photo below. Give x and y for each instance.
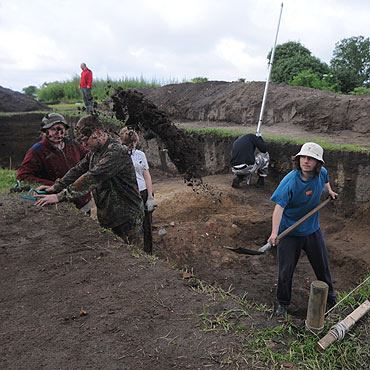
(312, 150)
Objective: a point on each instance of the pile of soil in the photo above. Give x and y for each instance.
(240, 103)
(14, 101)
(75, 297)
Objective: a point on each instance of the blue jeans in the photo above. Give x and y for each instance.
(289, 250)
(86, 94)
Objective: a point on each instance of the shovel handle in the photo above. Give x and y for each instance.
(304, 218)
(267, 246)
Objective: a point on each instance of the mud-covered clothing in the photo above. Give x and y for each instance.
(109, 174)
(243, 149)
(298, 197)
(86, 79)
(44, 163)
(261, 165)
(141, 164)
(131, 232)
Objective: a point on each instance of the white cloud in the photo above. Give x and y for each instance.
(43, 40)
(36, 51)
(235, 53)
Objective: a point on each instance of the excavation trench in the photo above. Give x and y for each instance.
(197, 224)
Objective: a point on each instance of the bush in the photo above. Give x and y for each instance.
(360, 91)
(310, 79)
(30, 91)
(51, 92)
(199, 79)
(69, 91)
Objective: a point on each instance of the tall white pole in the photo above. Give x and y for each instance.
(258, 133)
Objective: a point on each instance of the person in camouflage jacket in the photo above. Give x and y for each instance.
(107, 171)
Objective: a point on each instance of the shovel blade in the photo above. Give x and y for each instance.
(240, 250)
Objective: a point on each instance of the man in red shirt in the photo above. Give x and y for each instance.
(86, 86)
(53, 156)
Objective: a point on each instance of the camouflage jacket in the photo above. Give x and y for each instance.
(110, 175)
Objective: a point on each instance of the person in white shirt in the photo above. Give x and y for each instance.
(130, 138)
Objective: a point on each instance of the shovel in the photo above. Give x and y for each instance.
(268, 246)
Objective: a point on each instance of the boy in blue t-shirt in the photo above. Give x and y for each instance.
(297, 194)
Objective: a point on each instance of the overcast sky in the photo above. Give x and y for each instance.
(165, 40)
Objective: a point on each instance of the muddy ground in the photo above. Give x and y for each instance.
(74, 297)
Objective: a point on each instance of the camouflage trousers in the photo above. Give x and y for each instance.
(260, 165)
(131, 231)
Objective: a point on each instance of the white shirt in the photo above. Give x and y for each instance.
(141, 164)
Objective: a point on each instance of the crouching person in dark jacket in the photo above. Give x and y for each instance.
(245, 161)
(107, 171)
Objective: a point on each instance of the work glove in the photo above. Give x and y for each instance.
(149, 205)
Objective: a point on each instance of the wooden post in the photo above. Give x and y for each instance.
(316, 306)
(338, 331)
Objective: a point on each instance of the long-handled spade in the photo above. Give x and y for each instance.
(267, 246)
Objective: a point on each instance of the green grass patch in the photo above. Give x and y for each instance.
(289, 344)
(68, 91)
(66, 107)
(10, 114)
(7, 180)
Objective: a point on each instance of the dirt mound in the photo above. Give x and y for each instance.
(74, 297)
(14, 101)
(240, 103)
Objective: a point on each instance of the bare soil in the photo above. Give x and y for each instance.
(74, 297)
(14, 101)
(290, 111)
(200, 221)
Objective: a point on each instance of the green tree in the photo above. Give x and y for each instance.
(310, 79)
(51, 92)
(30, 91)
(351, 63)
(292, 58)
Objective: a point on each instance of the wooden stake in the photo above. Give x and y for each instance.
(316, 306)
(338, 331)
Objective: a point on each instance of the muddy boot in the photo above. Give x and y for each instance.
(236, 182)
(260, 182)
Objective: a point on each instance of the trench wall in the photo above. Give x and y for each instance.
(349, 171)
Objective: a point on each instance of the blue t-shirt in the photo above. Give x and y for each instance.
(298, 197)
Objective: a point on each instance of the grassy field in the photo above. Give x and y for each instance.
(290, 345)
